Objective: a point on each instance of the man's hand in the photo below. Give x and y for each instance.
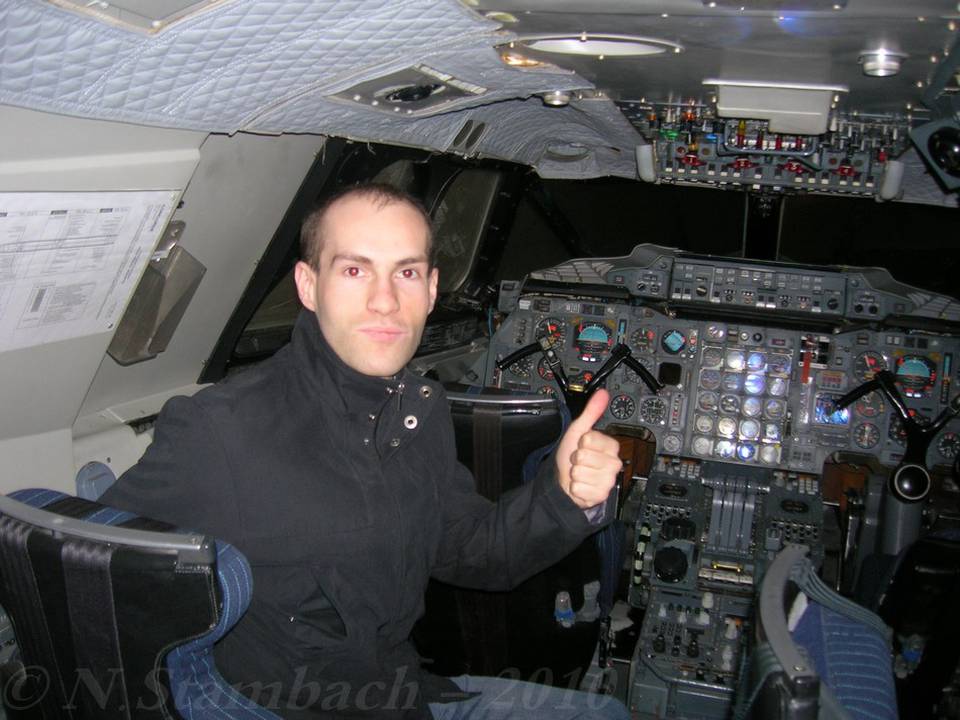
(587, 460)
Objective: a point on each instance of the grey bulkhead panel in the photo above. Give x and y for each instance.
(66, 403)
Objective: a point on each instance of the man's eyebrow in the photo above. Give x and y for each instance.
(363, 260)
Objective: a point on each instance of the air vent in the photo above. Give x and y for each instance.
(468, 137)
(419, 90)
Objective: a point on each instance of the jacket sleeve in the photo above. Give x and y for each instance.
(496, 546)
(184, 477)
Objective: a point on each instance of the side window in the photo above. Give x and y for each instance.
(460, 223)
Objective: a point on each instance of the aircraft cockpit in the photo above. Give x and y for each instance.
(735, 219)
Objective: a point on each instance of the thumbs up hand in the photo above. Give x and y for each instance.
(587, 460)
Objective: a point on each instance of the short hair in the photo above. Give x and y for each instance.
(382, 195)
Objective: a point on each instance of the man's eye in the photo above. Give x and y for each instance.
(352, 272)
(409, 274)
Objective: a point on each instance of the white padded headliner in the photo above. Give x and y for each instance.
(273, 65)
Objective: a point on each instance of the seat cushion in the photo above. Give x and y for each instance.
(852, 659)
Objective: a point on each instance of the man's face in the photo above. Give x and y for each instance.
(372, 289)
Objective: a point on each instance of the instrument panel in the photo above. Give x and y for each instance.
(735, 391)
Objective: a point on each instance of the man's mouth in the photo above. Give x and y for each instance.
(383, 334)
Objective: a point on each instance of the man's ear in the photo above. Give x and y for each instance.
(434, 279)
(306, 279)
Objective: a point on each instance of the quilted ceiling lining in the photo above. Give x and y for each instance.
(274, 65)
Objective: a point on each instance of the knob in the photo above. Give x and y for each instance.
(670, 564)
(910, 483)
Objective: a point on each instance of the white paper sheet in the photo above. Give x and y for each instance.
(70, 261)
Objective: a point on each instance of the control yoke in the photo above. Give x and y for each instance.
(576, 396)
(910, 481)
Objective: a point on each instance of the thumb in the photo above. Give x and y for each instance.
(592, 412)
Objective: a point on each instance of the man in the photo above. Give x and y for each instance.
(333, 469)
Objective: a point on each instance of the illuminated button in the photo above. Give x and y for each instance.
(754, 384)
(756, 361)
(702, 446)
(746, 451)
(727, 426)
(771, 431)
(703, 424)
(778, 387)
(752, 407)
(734, 360)
(730, 404)
(750, 429)
(732, 382)
(725, 449)
(770, 454)
(774, 409)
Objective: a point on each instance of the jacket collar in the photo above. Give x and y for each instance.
(323, 369)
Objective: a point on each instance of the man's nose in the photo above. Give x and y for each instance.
(383, 297)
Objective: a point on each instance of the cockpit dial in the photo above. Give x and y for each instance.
(543, 370)
(673, 341)
(593, 340)
(867, 364)
(622, 407)
(866, 435)
(641, 341)
(552, 328)
(522, 367)
(653, 411)
(916, 375)
(870, 405)
(949, 445)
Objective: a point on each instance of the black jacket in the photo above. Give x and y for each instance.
(344, 493)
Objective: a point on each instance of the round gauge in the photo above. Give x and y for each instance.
(896, 431)
(703, 424)
(552, 328)
(756, 361)
(716, 332)
(870, 405)
(707, 401)
(653, 411)
(916, 375)
(641, 341)
(543, 370)
(771, 431)
(770, 454)
(754, 383)
(709, 379)
(730, 404)
(593, 340)
(630, 376)
(622, 407)
(732, 382)
(727, 426)
(712, 357)
(725, 449)
(673, 341)
(749, 429)
(521, 368)
(746, 451)
(778, 387)
(866, 435)
(866, 365)
(734, 360)
(752, 407)
(547, 390)
(778, 365)
(949, 445)
(702, 445)
(774, 409)
(672, 443)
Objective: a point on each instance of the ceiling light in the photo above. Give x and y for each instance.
(515, 59)
(556, 98)
(881, 62)
(596, 45)
(501, 17)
